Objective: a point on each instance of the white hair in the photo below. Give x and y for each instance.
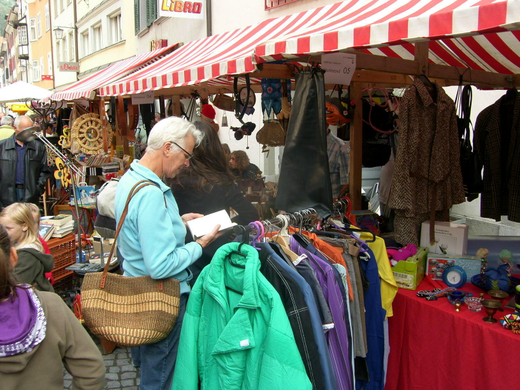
(172, 129)
(7, 121)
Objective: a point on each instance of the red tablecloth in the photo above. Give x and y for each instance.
(433, 347)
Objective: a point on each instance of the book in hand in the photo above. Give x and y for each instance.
(58, 220)
(201, 226)
(46, 231)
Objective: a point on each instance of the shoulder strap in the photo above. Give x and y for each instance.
(137, 186)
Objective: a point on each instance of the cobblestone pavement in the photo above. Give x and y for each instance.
(120, 373)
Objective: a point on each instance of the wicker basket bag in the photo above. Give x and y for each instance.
(129, 311)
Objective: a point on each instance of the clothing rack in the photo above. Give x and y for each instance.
(282, 220)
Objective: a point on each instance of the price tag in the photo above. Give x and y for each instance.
(339, 67)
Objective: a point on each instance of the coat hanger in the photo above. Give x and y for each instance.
(241, 230)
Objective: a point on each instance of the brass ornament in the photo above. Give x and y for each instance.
(87, 133)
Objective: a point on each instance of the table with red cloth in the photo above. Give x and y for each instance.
(433, 347)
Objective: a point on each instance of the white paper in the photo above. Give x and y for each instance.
(201, 226)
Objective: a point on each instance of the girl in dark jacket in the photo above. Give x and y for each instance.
(207, 186)
(32, 263)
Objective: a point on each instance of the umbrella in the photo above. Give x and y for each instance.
(22, 91)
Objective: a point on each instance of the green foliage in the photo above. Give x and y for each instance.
(5, 6)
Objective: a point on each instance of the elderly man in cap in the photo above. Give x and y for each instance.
(23, 167)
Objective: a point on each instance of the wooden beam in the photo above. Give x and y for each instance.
(356, 146)
(273, 71)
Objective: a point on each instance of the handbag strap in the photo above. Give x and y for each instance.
(133, 191)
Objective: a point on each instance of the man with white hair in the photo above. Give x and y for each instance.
(6, 128)
(23, 167)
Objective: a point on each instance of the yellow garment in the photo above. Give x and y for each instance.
(388, 283)
(6, 132)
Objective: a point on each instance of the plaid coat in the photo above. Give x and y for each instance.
(497, 144)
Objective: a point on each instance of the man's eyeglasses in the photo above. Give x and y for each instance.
(187, 155)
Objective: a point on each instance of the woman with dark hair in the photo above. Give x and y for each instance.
(242, 168)
(39, 335)
(207, 186)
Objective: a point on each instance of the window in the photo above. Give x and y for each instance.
(96, 38)
(58, 51)
(55, 7)
(42, 66)
(32, 29)
(145, 13)
(47, 18)
(62, 6)
(85, 44)
(64, 55)
(49, 62)
(270, 4)
(114, 26)
(35, 67)
(71, 45)
(39, 24)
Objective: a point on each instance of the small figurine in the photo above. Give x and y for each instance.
(507, 258)
(482, 253)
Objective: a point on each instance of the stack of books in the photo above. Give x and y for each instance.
(46, 231)
(62, 225)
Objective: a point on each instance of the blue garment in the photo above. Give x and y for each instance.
(20, 150)
(338, 336)
(152, 237)
(329, 378)
(18, 193)
(375, 316)
(157, 361)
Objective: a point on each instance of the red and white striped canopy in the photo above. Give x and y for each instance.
(479, 34)
(82, 89)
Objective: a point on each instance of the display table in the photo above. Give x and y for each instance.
(433, 347)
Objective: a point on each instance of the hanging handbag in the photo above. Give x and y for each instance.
(224, 102)
(129, 311)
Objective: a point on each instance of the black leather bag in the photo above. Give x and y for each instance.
(469, 164)
(304, 174)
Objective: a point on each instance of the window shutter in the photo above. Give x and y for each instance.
(136, 16)
(151, 12)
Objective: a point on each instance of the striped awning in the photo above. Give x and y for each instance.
(84, 89)
(482, 35)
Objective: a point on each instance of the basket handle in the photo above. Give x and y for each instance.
(133, 191)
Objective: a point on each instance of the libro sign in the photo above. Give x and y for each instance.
(69, 66)
(182, 9)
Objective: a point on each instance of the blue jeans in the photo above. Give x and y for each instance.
(19, 194)
(157, 361)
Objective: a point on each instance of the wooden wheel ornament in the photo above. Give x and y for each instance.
(87, 132)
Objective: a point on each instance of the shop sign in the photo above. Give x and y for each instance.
(69, 66)
(182, 9)
(158, 44)
(339, 67)
(143, 98)
(46, 77)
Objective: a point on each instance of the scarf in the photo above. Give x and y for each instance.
(22, 323)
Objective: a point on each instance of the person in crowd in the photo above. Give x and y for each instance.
(36, 213)
(208, 114)
(337, 149)
(23, 167)
(152, 238)
(32, 263)
(6, 128)
(39, 335)
(208, 186)
(242, 168)
(227, 152)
